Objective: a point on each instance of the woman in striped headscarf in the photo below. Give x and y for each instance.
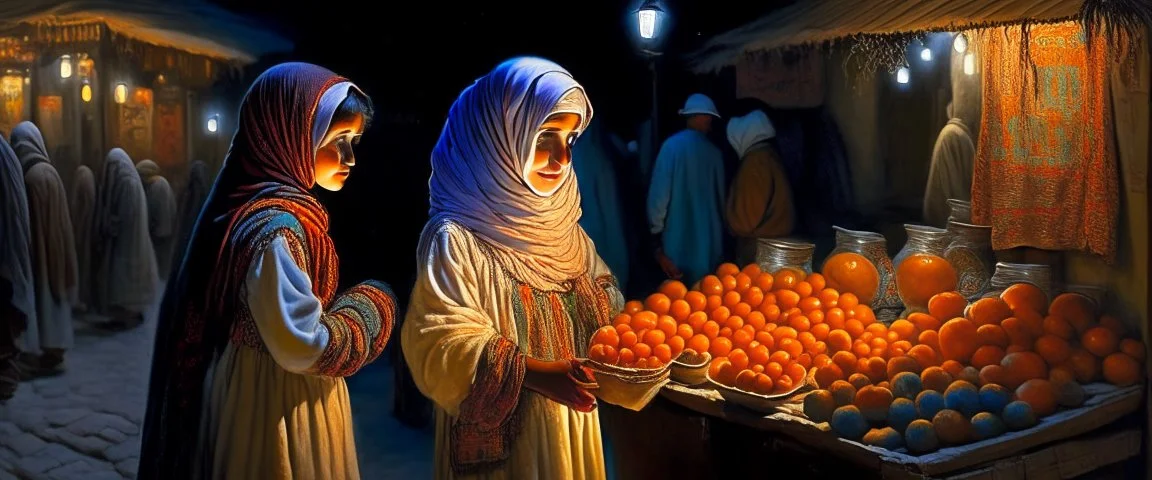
(509, 288)
(253, 341)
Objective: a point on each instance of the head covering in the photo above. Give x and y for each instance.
(699, 104)
(147, 169)
(268, 172)
(747, 131)
(478, 170)
(15, 245)
(28, 143)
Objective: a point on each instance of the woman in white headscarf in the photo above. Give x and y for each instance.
(82, 203)
(124, 261)
(53, 255)
(760, 200)
(509, 288)
(17, 282)
(161, 214)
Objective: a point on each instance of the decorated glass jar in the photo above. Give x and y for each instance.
(970, 253)
(774, 254)
(959, 211)
(922, 239)
(1008, 274)
(873, 247)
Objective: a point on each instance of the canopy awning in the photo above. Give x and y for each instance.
(809, 22)
(192, 26)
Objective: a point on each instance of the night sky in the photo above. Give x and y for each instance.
(413, 63)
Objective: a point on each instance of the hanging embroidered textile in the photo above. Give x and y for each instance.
(1046, 171)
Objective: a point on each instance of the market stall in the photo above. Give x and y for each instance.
(1008, 341)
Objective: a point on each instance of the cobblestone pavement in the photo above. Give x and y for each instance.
(85, 423)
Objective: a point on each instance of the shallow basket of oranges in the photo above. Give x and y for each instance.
(630, 369)
(759, 402)
(691, 368)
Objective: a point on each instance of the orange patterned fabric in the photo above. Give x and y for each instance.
(1046, 171)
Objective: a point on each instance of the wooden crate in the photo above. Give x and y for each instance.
(1105, 405)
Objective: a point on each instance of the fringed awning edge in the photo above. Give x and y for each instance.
(1122, 23)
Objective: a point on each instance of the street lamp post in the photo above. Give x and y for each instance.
(648, 22)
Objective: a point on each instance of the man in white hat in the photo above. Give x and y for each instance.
(686, 199)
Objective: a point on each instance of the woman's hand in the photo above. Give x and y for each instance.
(667, 266)
(558, 381)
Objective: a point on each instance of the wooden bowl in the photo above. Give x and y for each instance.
(691, 368)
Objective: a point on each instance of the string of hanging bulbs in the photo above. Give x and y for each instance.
(959, 43)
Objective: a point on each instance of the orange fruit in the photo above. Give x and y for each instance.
(1058, 326)
(633, 306)
(992, 374)
(677, 344)
(905, 329)
(1085, 365)
(667, 324)
(764, 282)
(987, 355)
(710, 285)
(1121, 370)
(958, 340)
(731, 299)
(663, 353)
(1040, 394)
(902, 364)
(923, 321)
(727, 268)
(930, 338)
(992, 335)
(924, 355)
(935, 378)
(1019, 367)
(674, 289)
(1017, 332)
(827, 374)
(752, 270)
(818, 282)
(697, 320)
(743, 282)
(644, 320)
(606, 335)
(696, 300)
(754, 297)
(680, 310)
(1025, 295)
(852, 273)
(989, 311)
(699, 343)
(922, 276)
(946, 306)
(953, 368)
(720, 347)
(1032, 321)
(803, 288)
(1114, 324)
(1100, 341)
(1055, 350)
(1077, 309)
(1133, 348)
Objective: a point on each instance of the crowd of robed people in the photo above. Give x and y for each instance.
(92, 253)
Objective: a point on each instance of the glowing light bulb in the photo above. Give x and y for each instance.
(86, 93)
(647, 23)
(213, 124)
(65, 66)
(902, 75)
(926, 54)
(121, 92)
(961, 43)
(969, 64)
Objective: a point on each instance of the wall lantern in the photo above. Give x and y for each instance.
(121, 92)
(902, 75)
(648, 17)
(86, 92)
(65, 66)
(213, 123)
(969, 64)
(961, 43)
(926, 54)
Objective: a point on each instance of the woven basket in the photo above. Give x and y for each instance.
(631, 388)
(691, 368)
(757, 402)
